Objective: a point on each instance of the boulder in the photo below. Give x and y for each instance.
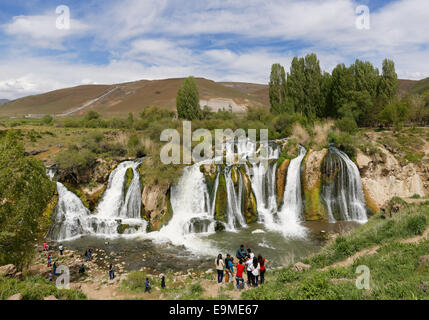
(8, 270)
(281, 181)
(16, 296)
(299, 267)
(52, 298)
(156, 206)
(258, 231)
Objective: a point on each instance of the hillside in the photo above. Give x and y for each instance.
(134, 96)
(413, 86)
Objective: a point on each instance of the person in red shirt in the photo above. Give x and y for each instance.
(239, 274)
(262, 262)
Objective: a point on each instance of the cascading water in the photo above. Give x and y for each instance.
(262, 177)
(290, 214)
(342, 190)
(118, 212)
(193, 212)
(70, 216)
(234, 201)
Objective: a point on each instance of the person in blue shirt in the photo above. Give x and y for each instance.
(147, 285)
(241, 253)
(229, 267)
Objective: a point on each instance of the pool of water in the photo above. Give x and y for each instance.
(142, 252)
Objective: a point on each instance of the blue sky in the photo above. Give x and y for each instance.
(116, 41)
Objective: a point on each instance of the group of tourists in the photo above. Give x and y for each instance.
(255, 268)
(49, 258)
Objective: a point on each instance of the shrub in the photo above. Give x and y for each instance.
(136, 280)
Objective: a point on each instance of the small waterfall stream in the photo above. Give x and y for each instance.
(234, 201)
(117, 213)
(342, 190)
(290, 214)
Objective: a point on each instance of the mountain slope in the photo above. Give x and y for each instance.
(134, 96)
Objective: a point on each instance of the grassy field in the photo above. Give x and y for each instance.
(396, 269)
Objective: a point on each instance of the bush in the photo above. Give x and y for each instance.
(416, 225)
(136, 280)
(347, 124)
(47, 119)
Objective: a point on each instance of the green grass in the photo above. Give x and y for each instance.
(36, 288)
(395, 271)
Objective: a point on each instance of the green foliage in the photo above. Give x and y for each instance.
(47, 119)
(136, 280)
(347, 124)
(92, 115)
(188, 101)
(277, 90)
(36, 288)
(25, 191)
(394, 114)
(135, 147)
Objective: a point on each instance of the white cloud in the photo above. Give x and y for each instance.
(41, 31)
(155, 39)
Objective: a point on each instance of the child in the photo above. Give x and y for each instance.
(49, 260)
(147, 285)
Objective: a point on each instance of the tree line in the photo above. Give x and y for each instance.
(359, 95)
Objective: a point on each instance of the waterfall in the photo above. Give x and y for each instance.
(70, 218)
(117, 213)
(234, 201)
(342, 190)
(290, 214)
(193, 212)
(263, 180)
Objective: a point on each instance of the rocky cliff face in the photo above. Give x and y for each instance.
(156, 207)
(384, 178)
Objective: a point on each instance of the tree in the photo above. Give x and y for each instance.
(277, 90)
(47, 119)
(343, 84)
(92, 115)
(188, 101)
(395, 114)
(295, 84)
(388, 84)
(25, 191)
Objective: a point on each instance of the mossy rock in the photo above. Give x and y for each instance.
(129, 175)
(221, 199)
(314, 209)
(165, 215)
(281, 175)
(122, 227)
(250, 209)
(79, 193)
(94, 199)
(372, 207)
(219, 226)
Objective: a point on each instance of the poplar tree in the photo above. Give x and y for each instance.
(188, 100)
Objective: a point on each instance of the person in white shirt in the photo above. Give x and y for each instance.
(220, 265)
(255, 271)
(249, 268)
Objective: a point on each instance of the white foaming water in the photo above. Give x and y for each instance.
(191, 203)
(234, 213)
(71, 216)
(117, 207)
(263, 186)
(344, 194)
(290, 215)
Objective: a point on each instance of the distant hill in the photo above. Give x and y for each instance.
(3, 101)
(122, 98)
(134, 96)
(413, 86)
